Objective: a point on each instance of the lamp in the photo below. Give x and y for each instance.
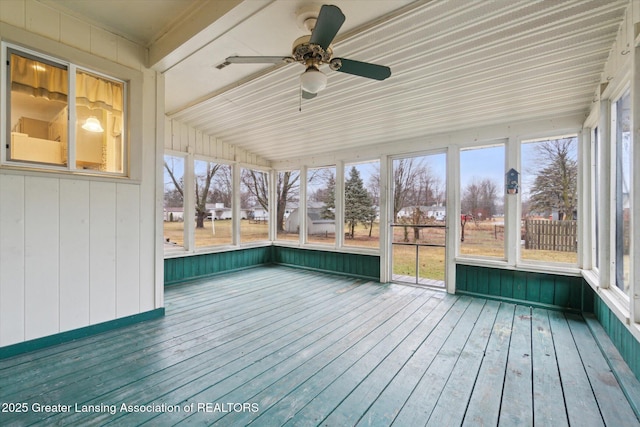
(92, 125)
(313, 80)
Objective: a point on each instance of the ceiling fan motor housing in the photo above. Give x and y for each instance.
(306, 52)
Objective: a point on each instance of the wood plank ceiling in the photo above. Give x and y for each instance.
(456, 65)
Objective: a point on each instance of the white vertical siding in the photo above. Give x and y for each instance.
(102, 265)
(186, 139)
(76, 251)
(74, 254)
(41, 256)
(11, 259)
(127, 249)
(70, 255)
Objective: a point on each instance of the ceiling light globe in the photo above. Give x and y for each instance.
(92, 125)
(313, 80)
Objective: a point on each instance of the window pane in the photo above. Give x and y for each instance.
(173, 202)
(38, 121)
(549, 195)
(213, 203)
(99, 123)
(623, 190)
(361, 204)
(596, 196)
(288, 200)
(321, 205)
(254, 206)
(482, 201)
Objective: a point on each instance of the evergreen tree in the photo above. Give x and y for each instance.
(358, 206)
(329, 198)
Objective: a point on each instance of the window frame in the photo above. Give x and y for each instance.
(615, 163)
(237, 181)
(520, 261)
(6, 49)
(474, 258)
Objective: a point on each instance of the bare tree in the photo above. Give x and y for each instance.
(405, 173)
(287, 190)
(256, 185)
(479, 198)
(203, 186)
(555, 187)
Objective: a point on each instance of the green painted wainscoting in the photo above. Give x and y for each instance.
(349, 264)
(181, 269)
(536, 289)
(623, 340)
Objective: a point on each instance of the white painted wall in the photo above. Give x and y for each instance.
(78, 250)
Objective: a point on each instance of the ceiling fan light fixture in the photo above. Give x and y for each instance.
(92, 125)
(313, 80)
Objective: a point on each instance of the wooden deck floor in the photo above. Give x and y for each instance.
(276, 346)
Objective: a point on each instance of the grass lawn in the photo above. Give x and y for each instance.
(486, 238)
(483, 239)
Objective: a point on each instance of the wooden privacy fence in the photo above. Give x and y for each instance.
(551, 235)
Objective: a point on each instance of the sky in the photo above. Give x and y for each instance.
(481, 163)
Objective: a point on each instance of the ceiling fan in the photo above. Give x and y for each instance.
(315, 49)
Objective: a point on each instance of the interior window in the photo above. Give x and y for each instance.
(38, 110)
(99, 123)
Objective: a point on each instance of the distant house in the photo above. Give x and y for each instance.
(437, 213)
(173, 214)
(260, 213)
(218, 211)
(315, 223)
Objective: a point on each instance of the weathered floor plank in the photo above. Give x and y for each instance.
(278, 346)
(484, 404)
(548, 403)
(517, 394)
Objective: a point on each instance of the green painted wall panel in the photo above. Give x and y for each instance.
(545, 290)
(533, 287)
(191, 267)
(520, 285)
(506, 283)
(358, 265)
(495, 280)
(562, 295)
(483, 281)
(621, 337)
(548, 289)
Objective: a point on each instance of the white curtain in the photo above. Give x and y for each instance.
(42, 80)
